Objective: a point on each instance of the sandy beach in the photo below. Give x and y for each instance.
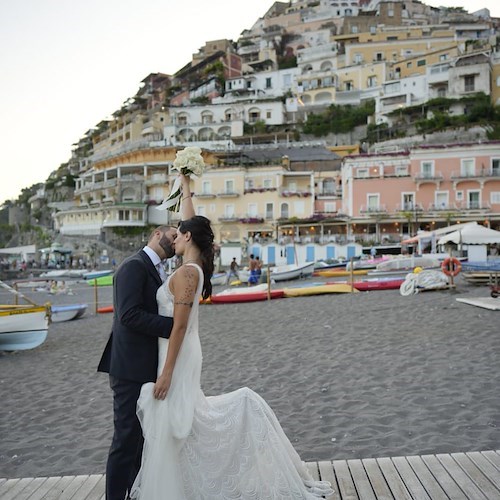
(348, 375)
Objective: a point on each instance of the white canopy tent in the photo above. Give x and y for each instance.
(474, 238)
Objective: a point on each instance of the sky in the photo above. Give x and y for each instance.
(66, 65)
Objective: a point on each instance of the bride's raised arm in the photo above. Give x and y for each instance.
(187, 207)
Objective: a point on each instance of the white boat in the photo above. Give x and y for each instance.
(22, 327)
(97, 274)
(292, 271)
(67, 312)
(218, 279)
(405, 264)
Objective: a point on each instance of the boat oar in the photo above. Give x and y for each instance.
(17, 293)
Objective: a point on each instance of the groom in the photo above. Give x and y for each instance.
(131, 354)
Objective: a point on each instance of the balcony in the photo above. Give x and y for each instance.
(428, 177)
(156, 179)
(376, 210)
(330, 193)
(473, 206)
(481, 175)
(228, 194)
(205, 194)
(229, 218)
(442, 207)
(409, 207)
(300, 194)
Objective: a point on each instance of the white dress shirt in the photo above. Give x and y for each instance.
(155, 259)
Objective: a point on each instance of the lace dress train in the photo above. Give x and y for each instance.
(227, 447)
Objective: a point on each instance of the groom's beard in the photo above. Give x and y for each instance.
(167, 247)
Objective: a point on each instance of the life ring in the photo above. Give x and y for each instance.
(451, 266)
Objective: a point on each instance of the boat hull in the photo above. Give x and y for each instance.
(68, 312)
(23, 328)
(291, 272)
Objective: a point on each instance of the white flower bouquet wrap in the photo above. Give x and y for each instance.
(188, 162)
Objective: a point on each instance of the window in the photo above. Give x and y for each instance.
(299, 208)
(358, 58)
(349, 85)
(206, 187)
(427, 169)
(495, 167)
(373, 202)
(467, 168)
(362, 173)
(469, 83)
(229, 186)
(201, 210)
(292, 186)
(267, 183)
(372, 81)
(287, 80)
(211, 207)
(392, 38)
(459, 195)
(443, 57)
(330, 207)
(249, 184)
(495, 197)
(400, 171)
(252, 209)
(473, 199)
(409, 64)
(269, 83)
(408, 201)
(379, 56)
(421, 62)
(269, 114)
(285, 211)
(441, 200)
(354, 29)
(229, 211)
(269, 211)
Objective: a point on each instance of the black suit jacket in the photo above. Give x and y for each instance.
(132, 349)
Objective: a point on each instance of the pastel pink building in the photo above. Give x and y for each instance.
(387, 196)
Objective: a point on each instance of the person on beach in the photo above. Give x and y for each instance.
(253, 279)
(259, 264)
(222, 447)
(131, 354)
(233, 270)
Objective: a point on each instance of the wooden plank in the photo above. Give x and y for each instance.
(99, 490)
(72, 487)
(47, 485)
(493, 457)
(424, 475)
(328, 474)
(344, 480)
(312, 467)
(15, 492)
(488, 469)
(361, 482)
(7, 485)
(443, 477)
(480, 480)
(377, 480)
(58, 488)
(408, 476)
(398, 489)
(460, 477)
(87, 487)
(31, 488)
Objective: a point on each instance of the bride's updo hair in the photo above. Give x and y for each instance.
(203, 237)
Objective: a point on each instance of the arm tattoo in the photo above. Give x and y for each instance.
(190, 304)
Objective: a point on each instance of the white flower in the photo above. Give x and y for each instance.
(188, 161)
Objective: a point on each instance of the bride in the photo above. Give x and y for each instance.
(208, 448)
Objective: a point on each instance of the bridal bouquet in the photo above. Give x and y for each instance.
(188, 162)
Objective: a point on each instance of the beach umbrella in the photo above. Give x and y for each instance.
(472, 235)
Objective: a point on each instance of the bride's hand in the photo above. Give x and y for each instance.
(162, 385)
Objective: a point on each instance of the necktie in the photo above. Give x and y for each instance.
(161, 271)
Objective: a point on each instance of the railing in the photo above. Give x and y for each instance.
(373, 210)
(428, 176)
(442, 207)
(205, 195)
(409, 207)
(288, 193)
(156, 179)
(473, 206)
(478, 173)
(228, 194)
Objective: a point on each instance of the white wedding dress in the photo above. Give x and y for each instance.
(213, 448)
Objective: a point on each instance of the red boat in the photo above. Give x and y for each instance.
(368, 285)
(246, 295)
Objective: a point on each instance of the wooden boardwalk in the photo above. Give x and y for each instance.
(458, 476)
